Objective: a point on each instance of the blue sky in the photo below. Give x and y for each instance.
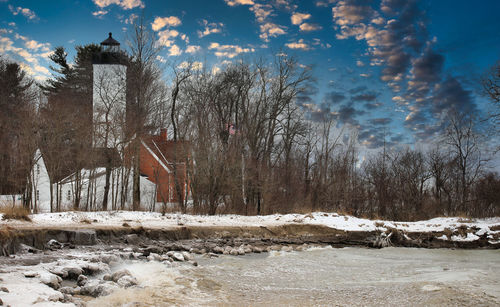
(384, 67)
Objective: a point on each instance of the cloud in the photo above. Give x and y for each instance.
(270, 30)
(174, 50)
(450, 95)
(160, 22)
(351, 12)
(298, 18)
(239, 2)
(124, 4)
(193, 65)
(365, 97)
(28, 59)
(26, 12)
(308, 27)
(165, 37)
(99, 14)
(229, 51)
(192, 49)
(261, 11)
(333, 98)
(324, 3)
(210, 28)
(298, 45)
(130, 20)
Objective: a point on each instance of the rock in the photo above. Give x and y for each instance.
(153, 249)
(128, 249)
(218, 250)
(119, 274)
(132, 239)
(56, 297)
(107, 277)
(31, 274)
(51, 280)
(23, 248)
(54, 244)
(287, 248)
(70, 290)
(127, 281)
(82, 280)
(84, 237)
(94, 268)
(59, 271)
(73, 272)
(1, 302)
(154, 257)
(194, 263)
(3, 289)
(234, 252)
(95, 289)
(247, 249)
(109, 258)
(187, 256)
(178, 257)
(257, 249)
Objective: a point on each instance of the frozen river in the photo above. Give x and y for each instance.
(321, 277)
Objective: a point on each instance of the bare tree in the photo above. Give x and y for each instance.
(464, 141)
(143, 86)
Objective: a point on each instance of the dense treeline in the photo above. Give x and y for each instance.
(251, 148)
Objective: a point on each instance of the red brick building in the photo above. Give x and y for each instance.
(157, 158)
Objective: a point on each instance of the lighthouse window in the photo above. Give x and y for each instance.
(37, 194)
(69, 194)
(37, 169)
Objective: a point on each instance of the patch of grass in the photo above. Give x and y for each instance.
(15, 213)
(379, 224)
(85, 221)
(125, 225)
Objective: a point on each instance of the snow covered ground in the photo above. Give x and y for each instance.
(153, 220)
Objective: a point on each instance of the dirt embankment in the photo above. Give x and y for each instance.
(13, 240)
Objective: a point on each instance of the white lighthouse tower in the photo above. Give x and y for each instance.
(109, 95)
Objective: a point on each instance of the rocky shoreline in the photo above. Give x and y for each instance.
(13, 240)
(96, 272)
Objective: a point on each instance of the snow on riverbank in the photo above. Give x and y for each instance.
(490, 226)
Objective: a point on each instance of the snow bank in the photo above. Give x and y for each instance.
(342, 222)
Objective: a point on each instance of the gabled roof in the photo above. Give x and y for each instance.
(166, 152)
(62, 164)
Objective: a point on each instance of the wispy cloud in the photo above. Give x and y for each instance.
(26, 12)
(298, 18)
(210, 28)
(308, 27)
(161, 22)
(239, 2)
(298, 45)
(100, 13)
(228, 51)
(193, 49)
(124, 4)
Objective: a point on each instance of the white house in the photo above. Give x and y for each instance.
(89, 186)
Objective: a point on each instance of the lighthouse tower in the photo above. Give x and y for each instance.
(109, 95)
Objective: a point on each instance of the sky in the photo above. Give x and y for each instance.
(390, 69)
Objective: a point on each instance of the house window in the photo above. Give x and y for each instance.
(37, 195)
(69, 194)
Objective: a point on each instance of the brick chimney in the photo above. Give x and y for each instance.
(163, 134)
